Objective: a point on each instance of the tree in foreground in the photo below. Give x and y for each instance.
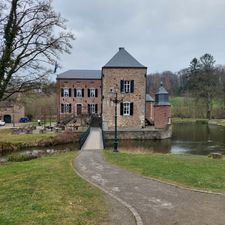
(32, 37)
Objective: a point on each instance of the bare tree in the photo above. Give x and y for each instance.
(32, 36)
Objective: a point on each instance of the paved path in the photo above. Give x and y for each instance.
(155, 202)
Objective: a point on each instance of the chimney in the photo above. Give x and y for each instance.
(121, 48)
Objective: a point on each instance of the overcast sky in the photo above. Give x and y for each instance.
(161, 34)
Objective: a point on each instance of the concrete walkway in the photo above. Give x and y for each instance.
(154, 203)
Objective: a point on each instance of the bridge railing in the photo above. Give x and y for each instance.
(103, 139)
(83, 137)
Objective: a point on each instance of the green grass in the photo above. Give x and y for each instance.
(191, 171)
(47, 191)
(189, 120)
(184, 101)
(180, 101)
(7, 137)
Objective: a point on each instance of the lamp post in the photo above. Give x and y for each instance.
(115, 100)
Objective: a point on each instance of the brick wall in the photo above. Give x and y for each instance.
(74, 101)
(111, 79)
(162, 116)
(149, 111)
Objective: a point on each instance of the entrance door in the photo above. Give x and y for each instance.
(79, 109)
(7, 118)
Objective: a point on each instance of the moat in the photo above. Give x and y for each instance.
(187, 138)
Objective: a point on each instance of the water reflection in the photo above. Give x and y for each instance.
(199, 139)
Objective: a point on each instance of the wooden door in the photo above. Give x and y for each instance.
(79, 109)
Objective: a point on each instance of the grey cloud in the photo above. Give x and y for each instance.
(163, 35)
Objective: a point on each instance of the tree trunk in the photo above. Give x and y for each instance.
(209, 107)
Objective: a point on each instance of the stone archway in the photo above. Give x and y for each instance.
(8, 118)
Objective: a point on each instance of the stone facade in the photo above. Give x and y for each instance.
(162, 116)
(111, 80)
(10, 112)
(78, 104)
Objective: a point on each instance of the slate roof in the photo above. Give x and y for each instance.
(80, 75)
(123, 59)
(148, 98)
(161, 89)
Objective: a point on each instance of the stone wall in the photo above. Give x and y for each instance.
(111, 80)
(141, 134)
(16, 112)
(162, 116)
(84, 101)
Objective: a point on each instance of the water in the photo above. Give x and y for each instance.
(188, 138)
(39, 152)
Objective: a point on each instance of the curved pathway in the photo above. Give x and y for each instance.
(156, 203)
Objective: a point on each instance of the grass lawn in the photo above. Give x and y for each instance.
(47, 191)
(191, 171)
(189, 120)
(7, 137)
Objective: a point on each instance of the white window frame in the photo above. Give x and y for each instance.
(126, 108)
(67, 108)
(92, 108)
(65, 92)
(79, 92)
(92, 92)
(127, 86)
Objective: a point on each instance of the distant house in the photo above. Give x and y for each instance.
(92, 91)
(11, 112)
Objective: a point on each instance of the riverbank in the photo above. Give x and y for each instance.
(15, 142)
(198, 172)
(218, 122)
(50, 193)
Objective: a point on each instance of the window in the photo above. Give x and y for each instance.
(92, 108)
(66, 108)
(126, 108)
(92, 92)
(79, 92)
(65, 92)
(127, 86)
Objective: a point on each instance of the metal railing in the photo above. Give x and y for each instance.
(83, 137)
(103, 139)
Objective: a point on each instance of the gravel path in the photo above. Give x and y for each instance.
(156, 203)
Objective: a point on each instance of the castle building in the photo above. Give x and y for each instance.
(94, 92)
